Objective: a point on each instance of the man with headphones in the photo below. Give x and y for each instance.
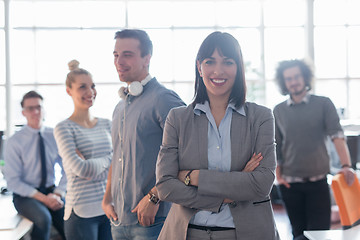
(131, 201)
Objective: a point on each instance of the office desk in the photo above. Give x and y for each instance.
(8, 214)
(24, 227)
(349, 234)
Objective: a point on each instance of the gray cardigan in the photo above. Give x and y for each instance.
(185, 147)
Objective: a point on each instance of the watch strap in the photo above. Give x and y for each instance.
(187, 178)
(153, 198)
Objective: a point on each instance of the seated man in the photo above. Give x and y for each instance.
(30, 156)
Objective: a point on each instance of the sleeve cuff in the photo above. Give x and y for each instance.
(339, 134)
(60, 192)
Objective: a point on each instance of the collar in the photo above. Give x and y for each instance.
(35, 130)
(305, 100)
(205, 107)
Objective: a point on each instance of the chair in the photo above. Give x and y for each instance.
(348, 200)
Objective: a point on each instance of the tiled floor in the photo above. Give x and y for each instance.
(283, 224)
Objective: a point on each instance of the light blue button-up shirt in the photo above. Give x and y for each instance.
(23, 165)
(219, 159)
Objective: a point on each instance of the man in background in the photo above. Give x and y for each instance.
(302, 125)
(30, 157)
(131, 200)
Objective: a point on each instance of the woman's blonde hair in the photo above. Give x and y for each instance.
(74, 71)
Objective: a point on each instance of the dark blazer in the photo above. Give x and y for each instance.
(185, 146)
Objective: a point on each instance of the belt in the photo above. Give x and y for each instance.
(205, 228)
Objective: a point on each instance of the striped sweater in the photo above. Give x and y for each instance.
(86, 179)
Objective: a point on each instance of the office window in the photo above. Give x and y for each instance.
(330, 52)
(238, 13)
(2, 19)
(2, 58)
(336, 37)
(249, 40)
(282, 44)
(335, 89)
(68, 14)
(23, 50)
(92, 48)
(150, 14)
(354, 51)
(284, 13)
(46, 35)
(193, 14)
(354, 86)
(2, 71)
(2, 106)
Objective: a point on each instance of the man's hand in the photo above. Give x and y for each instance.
(279, 178)
(53, 201)
(146, 211)
(109, 210)
(282, 181)
(349, 175)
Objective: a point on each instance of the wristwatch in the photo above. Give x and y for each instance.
(153, 198)
(187, 178)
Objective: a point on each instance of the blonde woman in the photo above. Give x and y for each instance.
(84, 143)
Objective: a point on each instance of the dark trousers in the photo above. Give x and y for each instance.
(41, 216)
(308, 206)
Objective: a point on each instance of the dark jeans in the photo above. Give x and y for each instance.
(41, 216)
(308, 206)
(94, 228)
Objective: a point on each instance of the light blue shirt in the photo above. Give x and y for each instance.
(219, 159)
(23, 165)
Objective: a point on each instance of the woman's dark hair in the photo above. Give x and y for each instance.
(305, 70)
(229, 47)
(146, 46)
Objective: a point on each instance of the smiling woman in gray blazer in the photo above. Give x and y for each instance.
(217, 160)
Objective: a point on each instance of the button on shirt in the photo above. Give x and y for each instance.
(219, 159)
(23, 165)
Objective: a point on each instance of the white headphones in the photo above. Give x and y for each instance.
(134, 88)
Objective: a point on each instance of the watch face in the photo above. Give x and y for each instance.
(187, 181)
(154, 199)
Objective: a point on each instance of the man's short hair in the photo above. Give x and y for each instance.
(31, 94)
(305, 69)
(146, 46)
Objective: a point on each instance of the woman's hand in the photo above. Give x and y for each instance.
(253, 163)
(79, 154)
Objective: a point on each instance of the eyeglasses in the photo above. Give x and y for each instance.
(32, 108)
(296, 77)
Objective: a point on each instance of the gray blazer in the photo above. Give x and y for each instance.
(185, 147)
